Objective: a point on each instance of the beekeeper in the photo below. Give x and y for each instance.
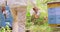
(18, 10)
(2, 21)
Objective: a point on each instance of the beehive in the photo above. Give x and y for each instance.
(54, 14)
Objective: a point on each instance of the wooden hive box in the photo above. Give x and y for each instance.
(54, 14)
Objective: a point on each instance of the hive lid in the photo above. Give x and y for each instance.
(54, 1)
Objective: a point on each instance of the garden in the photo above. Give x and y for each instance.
(41, 24)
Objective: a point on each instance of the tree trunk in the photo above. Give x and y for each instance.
(19, 17)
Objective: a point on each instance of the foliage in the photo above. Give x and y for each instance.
(42, 5)
(5, 29)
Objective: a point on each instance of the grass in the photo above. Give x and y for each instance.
(5, 29)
